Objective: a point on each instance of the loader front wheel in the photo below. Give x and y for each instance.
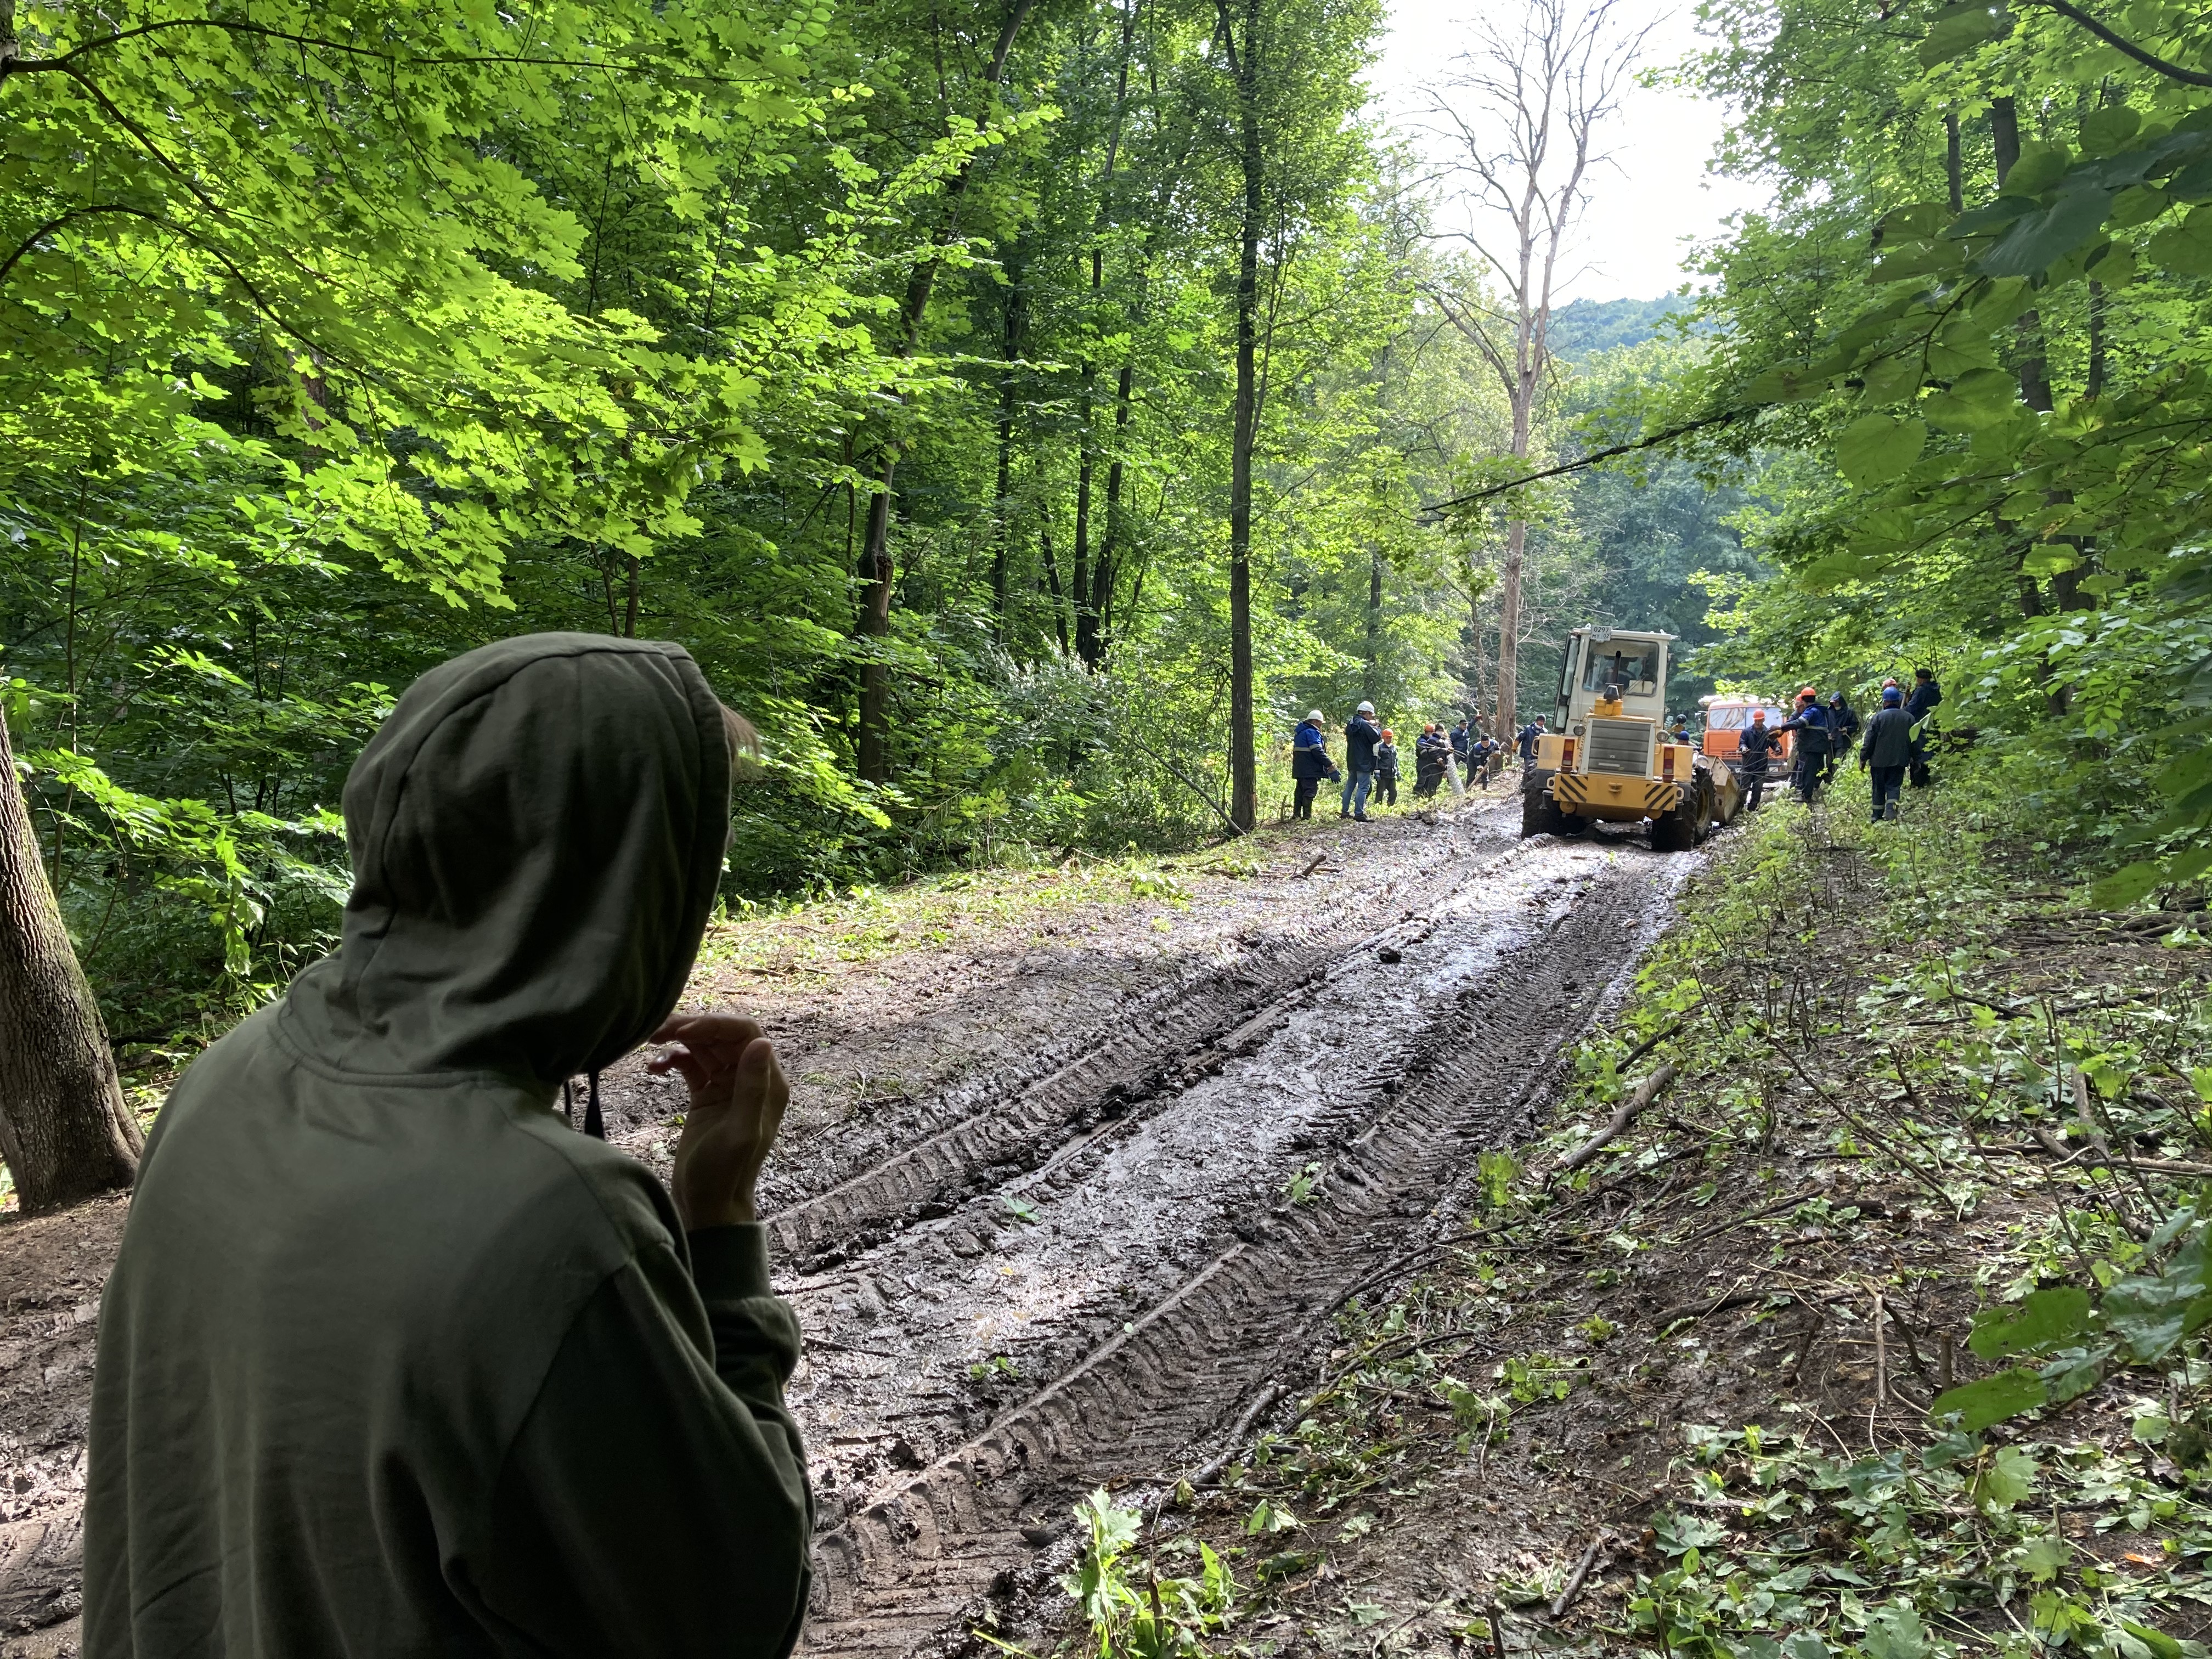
(1677, 832)
(1539, 813)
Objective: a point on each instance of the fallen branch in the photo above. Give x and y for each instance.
(1574, 1589)
(1176, 772)
(1703, 1309)
(2048, 1143)
(1643, 1094)
(1650, 1043)
(1718, 1227)
(1253, 1413)
(1412, 1259)
(1726, 417)
(1319, 859)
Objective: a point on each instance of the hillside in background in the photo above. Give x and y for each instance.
(1584, 326)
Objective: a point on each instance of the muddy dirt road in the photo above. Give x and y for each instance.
(1095, 1275)
(1058, 1203)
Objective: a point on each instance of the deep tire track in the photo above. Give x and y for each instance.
(919, 1552)
(993, 1129)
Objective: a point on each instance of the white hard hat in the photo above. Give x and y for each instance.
(1366, 708)
(1314, 715)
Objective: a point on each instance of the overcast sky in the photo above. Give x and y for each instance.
(1654, 200)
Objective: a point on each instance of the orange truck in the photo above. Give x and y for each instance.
(1725, 719)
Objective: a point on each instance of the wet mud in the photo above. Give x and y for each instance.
(1172, 1234)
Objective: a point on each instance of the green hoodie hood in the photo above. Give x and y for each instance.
(536, 834)
(392, 1362)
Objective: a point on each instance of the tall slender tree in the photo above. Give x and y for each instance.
(876, 567)
(1521, 115)
(1245, 63)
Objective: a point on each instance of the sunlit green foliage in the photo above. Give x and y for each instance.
(1975, 315)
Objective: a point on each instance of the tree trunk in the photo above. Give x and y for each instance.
(1954, 167)
(1086, 618)
(1017, 319)
(1052, 577)
(875, 555)
(1474, 633)
(1243, 767)
(875, 761)
(1094, 584)
(1109, 552)
(1372, 682)
(1509, 628)
(1531, 363)
(2004, 135)
(64, 1130)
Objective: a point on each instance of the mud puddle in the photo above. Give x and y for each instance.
(1105, 1307)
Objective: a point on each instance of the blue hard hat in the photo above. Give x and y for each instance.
(1891, 696)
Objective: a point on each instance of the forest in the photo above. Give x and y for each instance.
(1043, 1194)
(1023, 412)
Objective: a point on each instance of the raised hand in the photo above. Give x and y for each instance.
(738, 1097)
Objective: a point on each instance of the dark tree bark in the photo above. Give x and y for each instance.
(1016, 322)
(64, 1130)
(875, 564)
(2093, 385)
(1086, 619)
(1094, 584)
(1372, 683)
(1052, 580)
(1244, 69)
(2004, 135)
(1109, 553)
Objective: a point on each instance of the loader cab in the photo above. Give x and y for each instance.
(1597, 658)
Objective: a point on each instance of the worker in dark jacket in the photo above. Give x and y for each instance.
(1310, 764)
(1843, 727)
(1754, 754)
(1886, 750)
(1527, 741)
(392, 1360)
(1926, 694)
(1362, 734)
(1462, 744)
(1810, 723)
(1386, 770)
(1429, 751)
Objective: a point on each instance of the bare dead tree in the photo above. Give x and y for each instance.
(1520, 114)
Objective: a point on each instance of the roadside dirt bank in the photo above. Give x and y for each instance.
(1078, 1160)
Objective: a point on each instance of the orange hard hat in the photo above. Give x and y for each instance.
(1759, 717)
(1387, 732)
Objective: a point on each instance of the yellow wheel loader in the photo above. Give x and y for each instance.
(1610, 759)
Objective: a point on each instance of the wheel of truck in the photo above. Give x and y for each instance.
(1677, 832)
(1539, 813)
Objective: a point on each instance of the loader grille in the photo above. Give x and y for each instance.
(1621, 746)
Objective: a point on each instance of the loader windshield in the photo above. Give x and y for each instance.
(1633, 668)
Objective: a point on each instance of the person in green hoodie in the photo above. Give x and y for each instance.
(394, 1362)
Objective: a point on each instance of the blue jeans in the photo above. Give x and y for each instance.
(1356, 786)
